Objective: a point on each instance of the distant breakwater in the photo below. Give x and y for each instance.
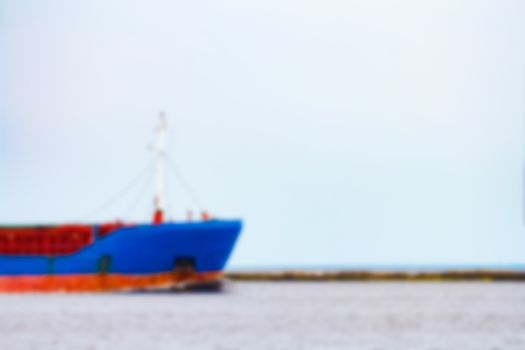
(455, 275)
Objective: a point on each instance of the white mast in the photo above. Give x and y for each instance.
(160, 148)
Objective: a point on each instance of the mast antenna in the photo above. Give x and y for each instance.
(160, 168)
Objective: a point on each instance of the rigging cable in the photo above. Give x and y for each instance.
(138, 197)
(111, 201)
(192, 194)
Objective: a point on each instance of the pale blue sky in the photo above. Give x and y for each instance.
(342, 132)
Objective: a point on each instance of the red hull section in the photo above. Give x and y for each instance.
(105, 282)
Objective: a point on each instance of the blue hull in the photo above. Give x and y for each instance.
(139, 250)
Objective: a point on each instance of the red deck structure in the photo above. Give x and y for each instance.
(50, 240)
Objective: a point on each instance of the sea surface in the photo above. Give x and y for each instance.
(275, 315)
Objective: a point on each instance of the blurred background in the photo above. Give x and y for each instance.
(343, 133)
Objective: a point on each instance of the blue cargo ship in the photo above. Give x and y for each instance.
(117, 256)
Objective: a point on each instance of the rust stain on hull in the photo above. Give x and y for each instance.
(86, 283)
